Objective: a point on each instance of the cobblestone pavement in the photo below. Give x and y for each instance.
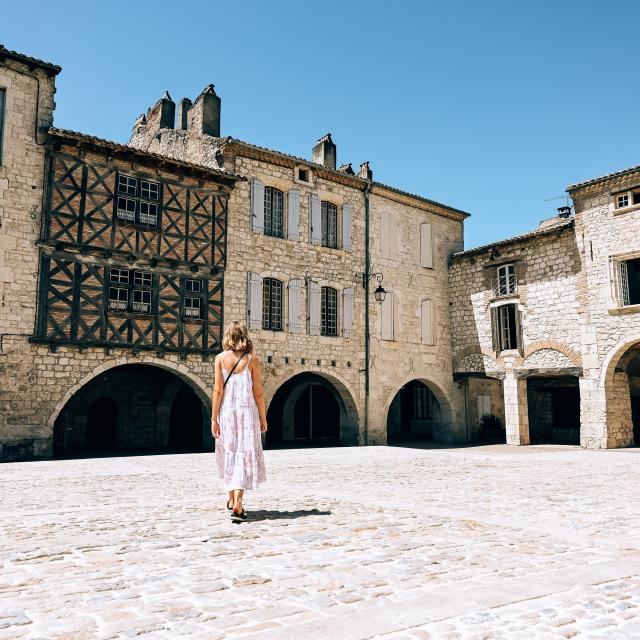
(486, 542)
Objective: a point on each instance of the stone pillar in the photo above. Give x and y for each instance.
(516, 411)
(619, 419)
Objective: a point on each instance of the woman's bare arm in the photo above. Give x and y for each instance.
(258, 392)
(216, 397)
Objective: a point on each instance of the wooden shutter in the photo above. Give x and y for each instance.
(257, 205)
(384, 235)
(394, 239)
(293, 215)
(495, 330)
(347, 312)
(518, 320)
(426, 246)
(296, 322)
(426, 322)
(254, 301)
(387, 317)
(346, 227)
(313, 307)
(315, 220)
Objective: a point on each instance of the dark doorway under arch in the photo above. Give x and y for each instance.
(185, 421)
(308, 410)
(102, 421)
(414, 414)
(554, 409)
(132, 409)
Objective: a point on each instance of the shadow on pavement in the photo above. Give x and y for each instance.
(256, 516)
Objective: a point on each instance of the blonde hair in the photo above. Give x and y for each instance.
(236, 338)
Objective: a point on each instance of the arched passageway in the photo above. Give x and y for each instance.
(311, 410)
(132, 409)
(553, 409)
(414, 414)
(622, 392)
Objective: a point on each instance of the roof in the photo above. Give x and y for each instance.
(51, 68)
(123, 148)
(541, 231)
(361, 181)
(609, 176)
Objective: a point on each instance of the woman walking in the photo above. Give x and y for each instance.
(238, 417)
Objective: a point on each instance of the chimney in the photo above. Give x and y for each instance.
(348, 169)
(141, 121)
(162, 115)
(183, 110)
(365, 171)
(205, 113)
(324, 152)
(564, 212)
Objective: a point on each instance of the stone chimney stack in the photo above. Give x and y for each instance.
(183, 111)
(162, 115)
(204, 115)
(324, 152)
(365, 171)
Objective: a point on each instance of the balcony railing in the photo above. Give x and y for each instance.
(505, 286)
(117, 305)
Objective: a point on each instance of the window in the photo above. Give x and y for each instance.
(506, 283)
(329, 222)
(505, 321)
(271, 304)
(627, 198)
(303, 175)
(130, 291)
(137, 201)
(626, 282)
(273, 212)
(3, 94)
(329, 312)
(420, 402)
(192, 294)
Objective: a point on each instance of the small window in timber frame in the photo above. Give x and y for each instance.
(130, 292)
(192, 299)
(137, 201)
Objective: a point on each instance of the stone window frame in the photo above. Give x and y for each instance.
(115, 281)
(619, 284)
(324, 224)
(268, 306)
(496, 333)
(3, 109)
(296, 175)
(329, 329)
(625, 200)
(273, 231)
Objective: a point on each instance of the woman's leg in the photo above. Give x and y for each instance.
(237, 500)
(230, 499)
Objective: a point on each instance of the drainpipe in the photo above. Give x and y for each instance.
(367, 336)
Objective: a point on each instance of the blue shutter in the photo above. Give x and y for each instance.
(296, 323)
(347, 312)
(315, 220)
(346, 227)
(254, 301)
(257, 205)
(313, 307)
(293, 215)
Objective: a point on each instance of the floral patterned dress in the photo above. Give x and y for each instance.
(239, 449)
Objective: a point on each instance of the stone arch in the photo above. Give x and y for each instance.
(346, 399)
(181, 371)
(446, 407)
(574, 356)
(615, 382)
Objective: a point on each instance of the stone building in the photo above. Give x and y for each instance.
(112, 260)
(301, 235)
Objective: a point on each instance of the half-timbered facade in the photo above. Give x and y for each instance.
(133, 249)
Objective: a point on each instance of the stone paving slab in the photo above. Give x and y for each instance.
(350, 543)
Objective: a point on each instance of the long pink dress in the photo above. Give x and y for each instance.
(239, 449)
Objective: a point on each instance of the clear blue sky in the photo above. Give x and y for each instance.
(491, 107)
